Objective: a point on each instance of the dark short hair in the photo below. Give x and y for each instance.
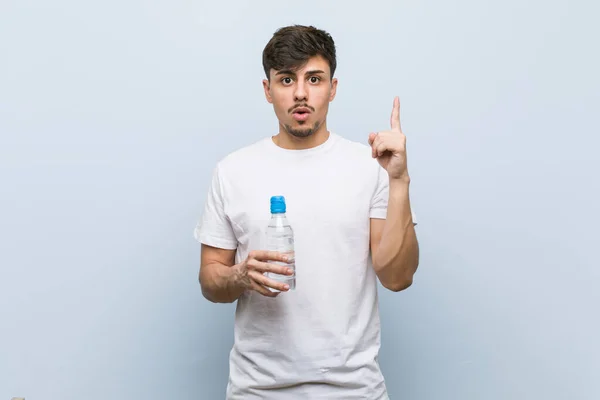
(292, 46)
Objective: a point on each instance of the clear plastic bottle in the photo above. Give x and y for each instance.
(280, 238)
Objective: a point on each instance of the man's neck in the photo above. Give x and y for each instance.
(291, 142)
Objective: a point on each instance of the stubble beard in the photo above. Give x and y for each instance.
(302, 132)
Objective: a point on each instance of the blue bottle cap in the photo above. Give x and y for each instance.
(277, 204)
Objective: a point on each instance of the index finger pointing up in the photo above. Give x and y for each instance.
(395, 119)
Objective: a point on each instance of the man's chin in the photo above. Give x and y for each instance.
(301, 132)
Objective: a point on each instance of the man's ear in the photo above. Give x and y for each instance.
(267, 89)
(333, 91)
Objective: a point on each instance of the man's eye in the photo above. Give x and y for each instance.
(314, 79)
(286, 81)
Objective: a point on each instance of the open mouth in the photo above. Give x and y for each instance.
(301, 110)
(301, 113)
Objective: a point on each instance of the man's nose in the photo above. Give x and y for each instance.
(300, 93)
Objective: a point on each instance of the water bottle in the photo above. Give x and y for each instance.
(280, 238)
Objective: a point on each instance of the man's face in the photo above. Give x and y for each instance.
(301, 98)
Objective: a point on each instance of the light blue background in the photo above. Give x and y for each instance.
(113, 114)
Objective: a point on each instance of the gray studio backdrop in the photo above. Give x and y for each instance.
(113, 114)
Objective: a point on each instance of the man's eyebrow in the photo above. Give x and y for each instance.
(290, 72)
(285, 72)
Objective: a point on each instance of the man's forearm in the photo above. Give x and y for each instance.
(220, 283)
(397, 257)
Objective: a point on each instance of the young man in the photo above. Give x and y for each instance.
(348, 204)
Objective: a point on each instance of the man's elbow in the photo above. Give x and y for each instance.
(403, 280)
(399, 284)
(207, 293)
(213, 295)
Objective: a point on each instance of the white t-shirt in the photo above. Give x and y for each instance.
(322, 340)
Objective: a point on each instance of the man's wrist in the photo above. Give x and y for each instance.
(399, 184)
(238, 279)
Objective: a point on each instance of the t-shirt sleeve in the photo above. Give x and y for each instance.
(379, 203)
(214, 227)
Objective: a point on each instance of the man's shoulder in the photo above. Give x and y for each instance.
(243, 155)
(354, 146)
(356, 152)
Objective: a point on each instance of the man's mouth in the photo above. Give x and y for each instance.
(301, 113)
